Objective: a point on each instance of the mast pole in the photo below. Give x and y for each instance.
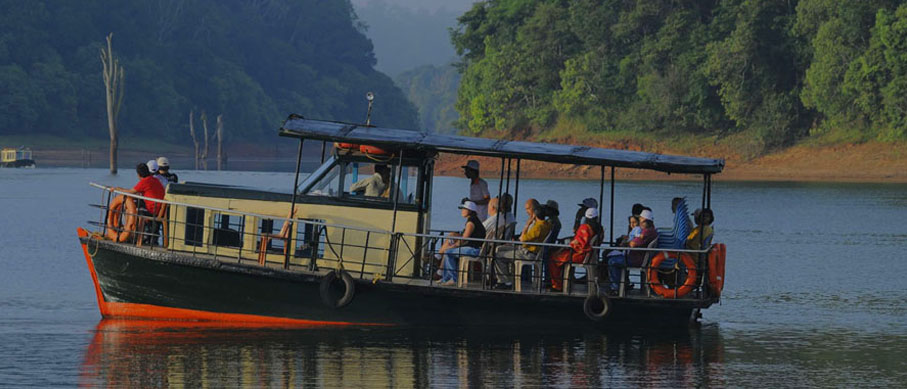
(286, 254)
(612, 206)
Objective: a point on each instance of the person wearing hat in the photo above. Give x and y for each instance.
(163, 165)
(588, 234)
(552, 214)
(581, 212)
(457, 247)
(635, 258)
(478, 188)
(535, 231)
(155, 171)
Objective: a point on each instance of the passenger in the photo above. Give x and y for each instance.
(147, 186)
(478, 188)
(581, 212)
(375, 185)
(704, 219)
(552, 215)
(452, 252)
(163, 165)
(637, 209)
(587, 235)
(535, 231)
(499, 214)
(153, 168)
(635, 258)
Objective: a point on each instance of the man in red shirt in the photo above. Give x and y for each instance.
(147, 186)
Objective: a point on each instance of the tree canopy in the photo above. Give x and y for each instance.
(254, 61)
(773, 70)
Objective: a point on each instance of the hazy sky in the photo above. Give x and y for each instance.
(410, 33)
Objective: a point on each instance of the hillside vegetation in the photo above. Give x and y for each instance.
(760, 74)
(254, 61)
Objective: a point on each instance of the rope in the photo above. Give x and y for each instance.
(97, 246)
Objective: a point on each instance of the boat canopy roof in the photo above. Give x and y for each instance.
(298, 127)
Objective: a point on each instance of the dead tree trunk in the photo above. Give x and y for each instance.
(204, 156)
(113, 85)
(194, 138)
(220, 142)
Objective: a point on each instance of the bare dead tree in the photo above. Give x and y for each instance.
(204, 155)
(194, 138)
(113, 85)
(220, 142)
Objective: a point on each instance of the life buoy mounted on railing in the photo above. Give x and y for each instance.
(716, 268)
(337, 289)
(681, 291)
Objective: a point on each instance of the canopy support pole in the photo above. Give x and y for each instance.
(286, 254)
(516, 190)
(611, 228)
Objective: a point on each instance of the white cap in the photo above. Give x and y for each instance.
(647, 214)
(472, 164)
(468, 205)
(163, 162)
(152, 166)
(591, 213)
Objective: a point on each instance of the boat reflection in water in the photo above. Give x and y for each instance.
(155, 353)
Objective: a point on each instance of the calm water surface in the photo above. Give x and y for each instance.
(816, 295)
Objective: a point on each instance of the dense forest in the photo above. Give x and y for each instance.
(771, 72)
(254, 61)
(433, 90)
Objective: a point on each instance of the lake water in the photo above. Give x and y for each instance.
(816, 294)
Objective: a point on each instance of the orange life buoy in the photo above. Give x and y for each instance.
(346, 146)
(716, 268)
(373, 150)
(688, 284)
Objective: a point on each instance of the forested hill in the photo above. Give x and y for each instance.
(766, 73)
(254, 61)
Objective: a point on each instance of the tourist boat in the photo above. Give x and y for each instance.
(237, 254)
(12, 157)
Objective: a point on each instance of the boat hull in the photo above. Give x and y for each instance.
(141, 283)
(23, 163)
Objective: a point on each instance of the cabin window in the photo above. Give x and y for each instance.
(409, 180)
(360, 181)
(228, 230)
(195, 226)
(328, 185)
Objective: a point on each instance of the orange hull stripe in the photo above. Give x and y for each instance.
(146, 311)
(102, 305)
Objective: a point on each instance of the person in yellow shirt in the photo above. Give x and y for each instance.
(704, 219)
(535, 231)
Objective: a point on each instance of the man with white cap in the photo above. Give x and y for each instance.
(478, 188)
(163, 165)
(634, 258)
(154, 169)
(581, 212)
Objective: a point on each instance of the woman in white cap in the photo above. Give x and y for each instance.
(634, 258)
(163, 165)
(587, 235)
(153, 168)
(452, 251)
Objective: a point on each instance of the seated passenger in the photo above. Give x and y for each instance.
(453, 250)
(704, 219)
(587, 235)
(581, 212)
(163, 165)
(147, 186)
(620, 259)
(375, 185)
(552, 215)
(153, 168)
(535, 231)
(499, 214)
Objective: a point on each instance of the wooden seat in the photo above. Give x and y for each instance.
(163, 218)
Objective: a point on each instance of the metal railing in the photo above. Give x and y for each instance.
(311, 245)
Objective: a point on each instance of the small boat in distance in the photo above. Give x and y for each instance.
(12, 157)
(324, 254)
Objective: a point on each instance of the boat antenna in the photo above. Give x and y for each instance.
(368, 115)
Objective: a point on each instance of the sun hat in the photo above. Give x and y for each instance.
(471, 164)
(163, 162)
(468, 205)
(647, 214)
(591, 213)
(589, 203)
(553, 205)
(152, 166)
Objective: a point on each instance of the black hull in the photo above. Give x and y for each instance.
(159, 283)
(26, 163)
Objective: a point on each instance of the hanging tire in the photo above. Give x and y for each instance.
(337, 289)
(597, 308)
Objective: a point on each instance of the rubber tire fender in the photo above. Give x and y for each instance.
(349, 289)
(590, 310)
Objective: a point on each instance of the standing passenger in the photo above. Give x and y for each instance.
(478, 188)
